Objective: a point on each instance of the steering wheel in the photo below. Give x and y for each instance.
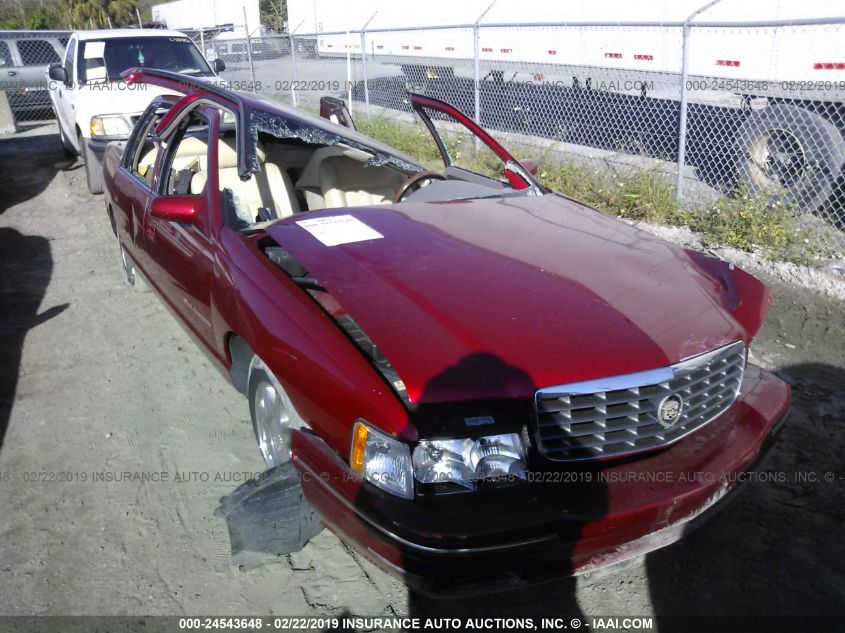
(413, 183)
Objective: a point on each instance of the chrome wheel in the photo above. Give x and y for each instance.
(272, 424)
(273, 414)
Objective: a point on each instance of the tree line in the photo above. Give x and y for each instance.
(103, 14)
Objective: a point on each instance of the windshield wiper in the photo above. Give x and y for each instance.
(518, 193)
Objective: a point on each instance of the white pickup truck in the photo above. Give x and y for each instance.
(92, 102)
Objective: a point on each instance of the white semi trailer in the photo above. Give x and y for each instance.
(210, 14)
(786, 84)
(764, 54)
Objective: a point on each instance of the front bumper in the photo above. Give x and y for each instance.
(574, 518)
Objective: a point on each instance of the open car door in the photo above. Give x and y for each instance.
(519, 175)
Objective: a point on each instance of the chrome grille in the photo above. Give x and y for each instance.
(616, 416)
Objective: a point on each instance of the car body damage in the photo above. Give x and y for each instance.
(436, 353)
(282, 127)
(424, 273)
(259, 120)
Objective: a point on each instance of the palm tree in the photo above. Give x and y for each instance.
(96, 13)
(122, 12)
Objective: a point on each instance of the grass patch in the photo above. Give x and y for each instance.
(412, 140)
(749, 223)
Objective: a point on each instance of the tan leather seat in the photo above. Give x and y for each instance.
(271, 187)
(337, 177)
(192, 153)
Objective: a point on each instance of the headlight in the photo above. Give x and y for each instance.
(382, 460)
(109, 126)
(463, 462)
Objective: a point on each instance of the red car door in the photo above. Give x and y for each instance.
(131, 196)
(133, 183)
(180, 254)
(430, 109)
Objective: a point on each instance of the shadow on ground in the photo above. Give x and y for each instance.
(28, 165)
(26, 266)
(776, 550)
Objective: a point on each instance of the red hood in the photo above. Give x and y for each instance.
(521, 293)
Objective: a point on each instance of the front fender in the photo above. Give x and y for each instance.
(746, 298)
(328, 379)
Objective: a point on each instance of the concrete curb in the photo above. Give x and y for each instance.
(7, 119)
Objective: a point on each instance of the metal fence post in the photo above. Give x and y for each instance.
(349, 71)
(476, 54)
(249, 52)
(682, 126)
(364, 70)
(364, 64)
(295, 81)
(295, 72)
(477, 73)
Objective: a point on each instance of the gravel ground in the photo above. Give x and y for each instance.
(94, 379)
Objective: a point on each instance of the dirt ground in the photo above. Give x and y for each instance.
(96, 382)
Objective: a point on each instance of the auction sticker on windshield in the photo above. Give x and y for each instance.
(339, 229)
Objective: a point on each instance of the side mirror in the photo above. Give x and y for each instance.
(182, 209)
(530, 165)
(335, 110)
(219, 65)
(56, 72)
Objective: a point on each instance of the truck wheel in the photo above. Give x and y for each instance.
(789, 151)
(93, 171)
(70, 150)
(272, 412)
(134, 280)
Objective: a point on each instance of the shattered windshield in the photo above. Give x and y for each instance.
(283, 128)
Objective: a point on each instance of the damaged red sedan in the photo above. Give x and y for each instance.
(480, 381)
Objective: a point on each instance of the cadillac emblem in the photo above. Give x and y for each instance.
(669, 411)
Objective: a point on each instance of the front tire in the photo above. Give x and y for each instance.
(277, 498)
(67, 146)
(272, 412)
(789, 152)
(93, 170)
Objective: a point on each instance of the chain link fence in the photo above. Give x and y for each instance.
(717, 109)
(720, 109)
(24, 57)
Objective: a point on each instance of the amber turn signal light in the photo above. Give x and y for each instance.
(359, 441)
